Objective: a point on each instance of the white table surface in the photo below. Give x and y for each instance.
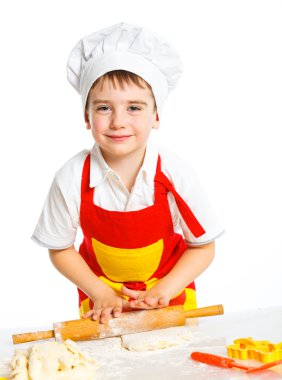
(211, 334)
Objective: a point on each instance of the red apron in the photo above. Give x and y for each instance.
(134, 248)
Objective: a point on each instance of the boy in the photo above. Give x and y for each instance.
(134, 203)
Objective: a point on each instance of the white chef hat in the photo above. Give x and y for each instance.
(125, 47)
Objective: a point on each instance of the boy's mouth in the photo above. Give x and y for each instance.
(118, 138)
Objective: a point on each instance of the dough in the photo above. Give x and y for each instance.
(53, 361)
(19, 365)
(153, 340)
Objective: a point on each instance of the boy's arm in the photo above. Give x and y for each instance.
(190, 265)
(72, 266)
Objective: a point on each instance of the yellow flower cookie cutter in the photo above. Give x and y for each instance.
(261, 350)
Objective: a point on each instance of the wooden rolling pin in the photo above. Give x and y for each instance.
(127, 323)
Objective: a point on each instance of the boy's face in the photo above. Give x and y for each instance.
(121, 119)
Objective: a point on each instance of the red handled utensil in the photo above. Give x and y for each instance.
(223, 362)
(265, 366)
(216, 360)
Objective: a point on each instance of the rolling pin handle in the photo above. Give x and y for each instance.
(205, 311)
(31, 337)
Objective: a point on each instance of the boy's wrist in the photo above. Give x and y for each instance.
(162, 291)
(99, 288)
(166, 288)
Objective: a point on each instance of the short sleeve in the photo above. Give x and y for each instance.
(59, 219)
(55, 228)
(188, 186)
(201, 207)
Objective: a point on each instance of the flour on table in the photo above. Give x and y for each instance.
(154, 340)
(101, 346)
(52, 361)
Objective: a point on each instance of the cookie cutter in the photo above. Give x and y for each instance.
(261, 350)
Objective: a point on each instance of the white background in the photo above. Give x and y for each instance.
(224, 118)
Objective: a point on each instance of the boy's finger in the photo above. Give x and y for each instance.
(163, 301)
(105, 314)
(150, 301)
(134, 302)
(130, 293)
(125, 305)
(88, 314)
(96, 314)
(139, 304)
(117, 311)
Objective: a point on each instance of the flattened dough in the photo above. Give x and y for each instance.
(154, 340)
(53, 361)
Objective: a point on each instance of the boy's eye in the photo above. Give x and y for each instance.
(103, 108)
(134, 108)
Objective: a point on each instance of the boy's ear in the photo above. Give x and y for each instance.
(156, 122)
(86, 118)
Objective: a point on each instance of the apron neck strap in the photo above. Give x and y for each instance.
(162, 186)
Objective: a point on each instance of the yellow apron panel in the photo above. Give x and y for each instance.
(124, 265)
(84, 307)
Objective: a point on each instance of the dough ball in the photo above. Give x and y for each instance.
(53, 361)
(154, 340)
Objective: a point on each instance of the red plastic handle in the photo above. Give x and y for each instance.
(216, 360)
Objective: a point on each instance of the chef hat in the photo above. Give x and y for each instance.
(125, 47)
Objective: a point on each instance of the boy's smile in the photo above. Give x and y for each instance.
(121, 119)
(119, 138)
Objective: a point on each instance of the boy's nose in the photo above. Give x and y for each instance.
(118, 120)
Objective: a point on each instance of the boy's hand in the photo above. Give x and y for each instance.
(107, 304)
(148, 299)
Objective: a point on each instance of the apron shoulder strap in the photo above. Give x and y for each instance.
(86, 191)
(162, 186)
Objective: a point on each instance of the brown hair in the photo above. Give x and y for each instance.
(119, 78)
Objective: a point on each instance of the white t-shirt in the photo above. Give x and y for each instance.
(60, 217)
